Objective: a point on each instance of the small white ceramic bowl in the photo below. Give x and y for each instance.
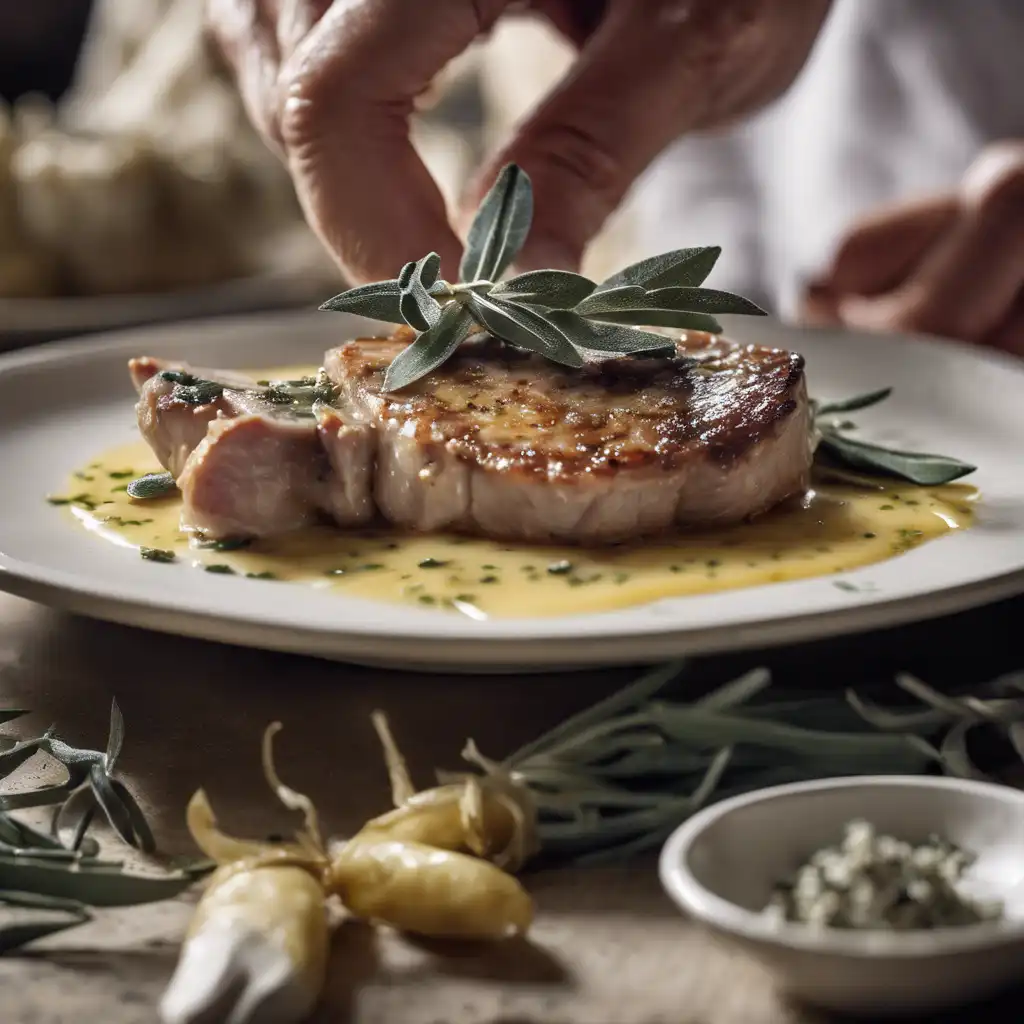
(721, 865)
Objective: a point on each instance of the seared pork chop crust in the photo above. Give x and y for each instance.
(515, 412)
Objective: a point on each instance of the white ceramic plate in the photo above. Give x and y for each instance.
(62, 403)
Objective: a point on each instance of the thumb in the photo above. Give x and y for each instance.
(885, 248)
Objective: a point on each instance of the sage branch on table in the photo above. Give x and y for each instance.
(39, 871)
(615, 780)
(604, 785)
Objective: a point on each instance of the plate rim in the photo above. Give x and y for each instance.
(117, 601)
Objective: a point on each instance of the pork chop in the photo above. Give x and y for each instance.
(503, 443)
(498, 442)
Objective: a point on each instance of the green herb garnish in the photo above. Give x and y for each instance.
(40, 871)
(559, 315)
(152, 485)
(191, 389)
(220, 569)
(84, 500)
(614, 780)
(157, 555)
(835, 444)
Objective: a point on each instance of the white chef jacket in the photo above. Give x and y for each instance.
(896, 100)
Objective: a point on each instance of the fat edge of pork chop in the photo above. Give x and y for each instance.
(246, 468)
(510, 446)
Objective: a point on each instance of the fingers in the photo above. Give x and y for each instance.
(333, 85)
(592, 136)
(349, 89)
(969, 282)
(884, 249)
(294, 20)
(1009, 335)
(245, 31)
(643, 77)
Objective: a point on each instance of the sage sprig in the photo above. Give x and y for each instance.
(560, 315)
(835, 447)
(39, 871)
(614, 780)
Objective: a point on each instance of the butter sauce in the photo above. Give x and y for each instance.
(834, 528)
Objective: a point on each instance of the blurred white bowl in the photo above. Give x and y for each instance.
(722, 864)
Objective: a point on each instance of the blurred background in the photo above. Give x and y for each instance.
(132, 187)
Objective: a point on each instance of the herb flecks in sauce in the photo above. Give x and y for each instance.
(508, 580)
(157, 554)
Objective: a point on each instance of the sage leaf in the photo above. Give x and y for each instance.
(886, 720)
(419, 309)
(684, 268)
(16, 756)
(18, 834)
(115, 738)
(621, 701)
(632, 304)
(152, 485)
(45, 797)
(431, 348)
(15, 934)
(110, 803)
(144, 838)
(79, 836)
(526, 328)
(705, 300)
(10, 834)
(692, 725)
(93, 883)
(37, 901)
(956, 760)
(613, 338)
(921, 468)
(500, 227)
(557, 289)
(732, 695)
(379, 301)
(682, 320)
(853, 404)
(199, 392)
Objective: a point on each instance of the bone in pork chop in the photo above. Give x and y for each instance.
(246, 465)
(497, 442)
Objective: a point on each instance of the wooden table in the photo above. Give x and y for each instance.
(608, 948)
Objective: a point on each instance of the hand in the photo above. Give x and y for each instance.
(332, 85)
(952, 265)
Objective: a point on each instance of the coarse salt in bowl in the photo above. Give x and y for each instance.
(722, 865)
